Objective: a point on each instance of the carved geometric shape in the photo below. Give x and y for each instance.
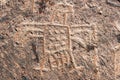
(55, 44)
(78, 42)
(60, 12)
(63, 7)
(35, 33)
(83, 47)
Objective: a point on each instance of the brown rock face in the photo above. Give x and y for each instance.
(59, 40)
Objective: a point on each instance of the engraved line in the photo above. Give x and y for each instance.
(38, 36)
(49, 62)
(58, 15)
(33, 2)
(78, 26)
(62, 59)
(65, 18)
(96, 51)
(43, 62)
(56, 60)
(69, 48)
(64, 4)
(33, 29)
(52, 17)
(44, 24)
(67, 57)
(61, 49)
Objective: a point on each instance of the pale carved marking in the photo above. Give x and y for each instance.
(63, 9)
(76, 30)
(96, 58)
(33, 4)
(117, 65)
(116, 51)
(92, 31)
(56, 45)
(117, 25)
(56, 39)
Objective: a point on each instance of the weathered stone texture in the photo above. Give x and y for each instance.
(59, 40)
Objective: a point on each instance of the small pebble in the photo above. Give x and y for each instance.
(24, 78)
(90, 47)
(1, 37)
(118, 38)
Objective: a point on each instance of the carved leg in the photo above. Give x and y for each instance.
(59, 17)
(62, 59)
(69, 48)
(67, 57)
(96, 56)
(65, 18)
(33, 2)
(53, 17)
(56, 60)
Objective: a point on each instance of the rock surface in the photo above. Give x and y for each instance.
(59, 40)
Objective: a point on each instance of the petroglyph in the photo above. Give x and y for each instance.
(61, 42)
(61, 11)
(90, 37)
(60, 39)
(56, 45)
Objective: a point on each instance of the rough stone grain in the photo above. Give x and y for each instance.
(59, 40)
